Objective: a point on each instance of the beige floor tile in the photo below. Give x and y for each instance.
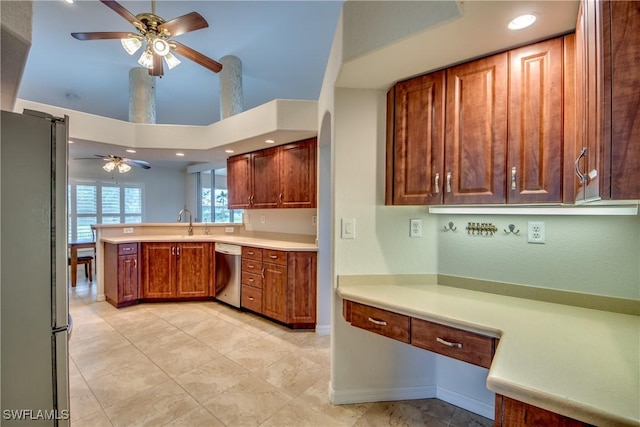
(158, 336)
(121, 384)
(156, 406)
(248, 403)
(82, 400)
(463, 418)
(317, 397)
(213, 378)
(397, 414)
(293, 374)
(434, 407)
(108, 361)
(178, 359)
(95, 348)
(198, 417)
(97, 419)
(259, 354)
(299, 415)
(227, 339)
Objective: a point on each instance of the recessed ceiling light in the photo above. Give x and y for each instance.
(70, 142)
(180, 154)
(68, 1)
(269, 141)
(130, 151)
(228, 151)
(522, 21)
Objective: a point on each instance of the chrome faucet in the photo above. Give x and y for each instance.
(185, 210)
(206, 227)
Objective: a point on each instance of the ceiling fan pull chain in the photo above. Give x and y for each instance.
(153, 7)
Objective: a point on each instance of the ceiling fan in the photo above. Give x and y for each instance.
(122, 164)
(157, 34)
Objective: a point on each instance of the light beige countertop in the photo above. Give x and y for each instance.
(578, 362)
(281, 245)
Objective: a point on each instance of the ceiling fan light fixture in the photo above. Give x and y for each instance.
(109, 166)
(131, 44)
(160, 46)
(124, 168)
(171, 60)
(146, 59)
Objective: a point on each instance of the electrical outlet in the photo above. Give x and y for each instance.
(228, 229)
(127, 230)
(314, 220)
(263, 219)
(415, 229)
(535, 233)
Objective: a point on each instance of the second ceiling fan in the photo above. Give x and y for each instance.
(156, 35)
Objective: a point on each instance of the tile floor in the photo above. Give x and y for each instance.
(206, 364)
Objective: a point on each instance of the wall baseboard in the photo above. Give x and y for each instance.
(323, 329)
(465, 402)
(380, 395)
(410, 393)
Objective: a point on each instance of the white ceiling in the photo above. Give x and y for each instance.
(283, 46)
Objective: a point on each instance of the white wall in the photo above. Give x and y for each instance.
(164, 188)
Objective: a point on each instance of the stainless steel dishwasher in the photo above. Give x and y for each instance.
(228, 266)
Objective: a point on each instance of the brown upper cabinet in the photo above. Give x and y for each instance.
(487, 131)
(278, 177)
(608, 100)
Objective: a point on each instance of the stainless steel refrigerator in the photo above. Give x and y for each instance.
(33, 265)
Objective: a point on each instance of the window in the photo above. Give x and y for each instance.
(95, 202)
(213, 203)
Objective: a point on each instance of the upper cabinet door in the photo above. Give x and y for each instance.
(534, 168)
(266, 178)
(417, 148)
(476, 131)
(298, 174)
(239, 181)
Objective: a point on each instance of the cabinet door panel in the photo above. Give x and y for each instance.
(274, 291)
(513, 413)
(476, 131)
(127, 278)
(534, 170)
(192, 270)
(239, 181)
(301, 287)
(266, 178)
(298, 174)
(158, 270)
(418, 145)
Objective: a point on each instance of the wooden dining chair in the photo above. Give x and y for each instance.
(87, 260)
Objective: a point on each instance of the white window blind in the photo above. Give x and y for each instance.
(95, 202)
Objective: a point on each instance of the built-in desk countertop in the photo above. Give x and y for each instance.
(578, 362)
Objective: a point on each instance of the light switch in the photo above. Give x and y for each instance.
(348, 228)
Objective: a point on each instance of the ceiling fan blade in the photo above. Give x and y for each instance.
(101, 36)
(138, 163)
(197, 57)
(183, 24)
(156, 70)
(120, 10)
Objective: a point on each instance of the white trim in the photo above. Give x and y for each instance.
(629, 209)
(381, 395)
(465, 402)
(323, 329)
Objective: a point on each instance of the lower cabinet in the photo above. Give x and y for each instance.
(176, 270)
(513, 413)
(280, 285)
(121, 288)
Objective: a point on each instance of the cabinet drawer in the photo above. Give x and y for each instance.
(252, 298)
(127, 248)
(252, 266)
(275, 257)
(251, 279)
(462, 345)
(376, 320)
(252, 253)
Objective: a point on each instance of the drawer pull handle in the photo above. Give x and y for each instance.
(250, 298)
(273, 256)
(251, 279)
(377, 322)
(251, 253)
(448, 343)
(251, 266)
